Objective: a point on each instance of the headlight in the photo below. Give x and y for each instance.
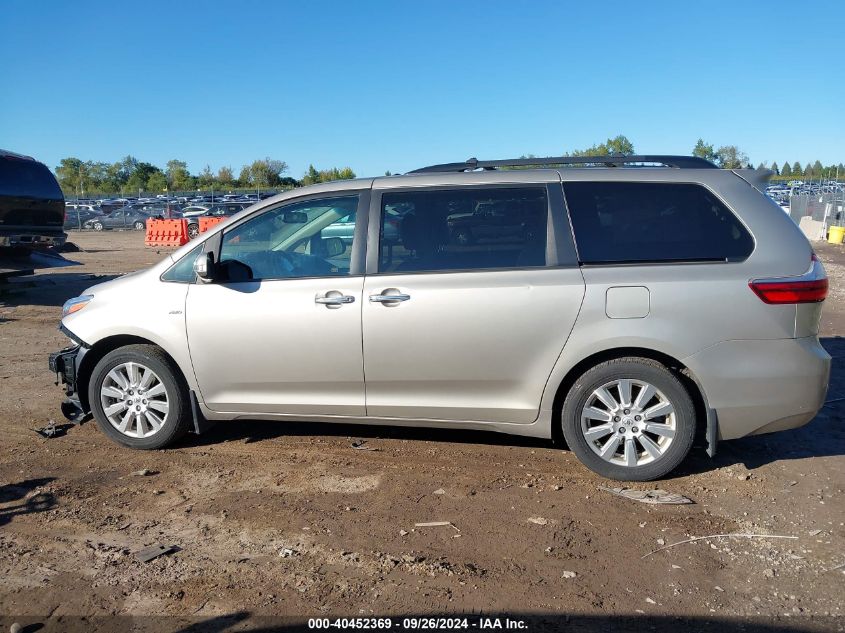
(75, 304)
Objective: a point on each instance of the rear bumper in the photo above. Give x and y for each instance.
(762, 386)
(32, 239)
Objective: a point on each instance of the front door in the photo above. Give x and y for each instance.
(471, 303)
(280, 330)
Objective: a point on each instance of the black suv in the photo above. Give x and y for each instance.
(32, 206)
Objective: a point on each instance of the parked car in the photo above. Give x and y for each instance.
(159, 209)
(225, 209)
(124, 218)
(654, 306)
(32, 206)
(496, 220)
(344, 228)
(194, 210)
(76, 217)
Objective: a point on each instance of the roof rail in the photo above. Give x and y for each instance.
(471, 164)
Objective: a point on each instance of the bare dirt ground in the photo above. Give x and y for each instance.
(277, 519)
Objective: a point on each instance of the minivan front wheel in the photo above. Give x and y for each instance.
(138, 398)
(629, 419)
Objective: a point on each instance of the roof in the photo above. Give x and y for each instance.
(471, 164)
(7, 153)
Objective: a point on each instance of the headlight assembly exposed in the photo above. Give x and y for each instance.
(75, 305)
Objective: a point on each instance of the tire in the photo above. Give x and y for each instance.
(193, 230)
(98, 226)
(139, 226)
(174, 419)
(658, 441)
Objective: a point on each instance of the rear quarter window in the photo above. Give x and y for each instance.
(628, 222)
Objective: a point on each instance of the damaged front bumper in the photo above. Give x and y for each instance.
(65, 364)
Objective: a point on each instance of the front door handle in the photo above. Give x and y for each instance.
(389, 298)
(334, 299)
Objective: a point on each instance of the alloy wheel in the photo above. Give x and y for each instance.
(135, 400)
(628, 422)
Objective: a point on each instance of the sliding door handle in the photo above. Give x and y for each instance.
(389, 298)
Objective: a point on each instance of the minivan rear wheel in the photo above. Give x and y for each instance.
(138, 398)
(629, 419)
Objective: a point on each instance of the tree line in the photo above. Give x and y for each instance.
(729, 157)
(726, 157)
(129, 175)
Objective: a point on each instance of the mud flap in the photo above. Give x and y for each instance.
(712, 432)
(201, 424)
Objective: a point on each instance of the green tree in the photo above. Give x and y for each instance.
(178, 176)
(289, 183)
(617, 146)
(127, 165)
(157, 181)
(731, 157)
(225, 177)
(69, 173)
(796, 169)
(99, 175)
(205, 180)
(327, 175)
(818, 170)
(260, 173)
(245, 178)
(267, 172)
(705, 151)
(775, 169)
(312, 176)
(134, 184)
(787, 170)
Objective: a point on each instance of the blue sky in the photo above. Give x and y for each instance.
(398, 85)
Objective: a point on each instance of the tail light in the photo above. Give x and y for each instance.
(811, 287)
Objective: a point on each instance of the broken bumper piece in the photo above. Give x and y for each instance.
(65, 364)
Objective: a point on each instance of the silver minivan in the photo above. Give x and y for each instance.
(629, 306)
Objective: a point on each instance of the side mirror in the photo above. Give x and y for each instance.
(204, 266)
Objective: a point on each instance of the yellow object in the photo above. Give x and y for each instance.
(836, 234)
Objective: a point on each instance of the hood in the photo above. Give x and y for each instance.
(116, 283)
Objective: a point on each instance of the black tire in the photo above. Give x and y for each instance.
(193, 230)
(139, 226)
(98, 226)
(638, 369)
(178, 420)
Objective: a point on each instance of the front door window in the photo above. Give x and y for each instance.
(293, 241)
